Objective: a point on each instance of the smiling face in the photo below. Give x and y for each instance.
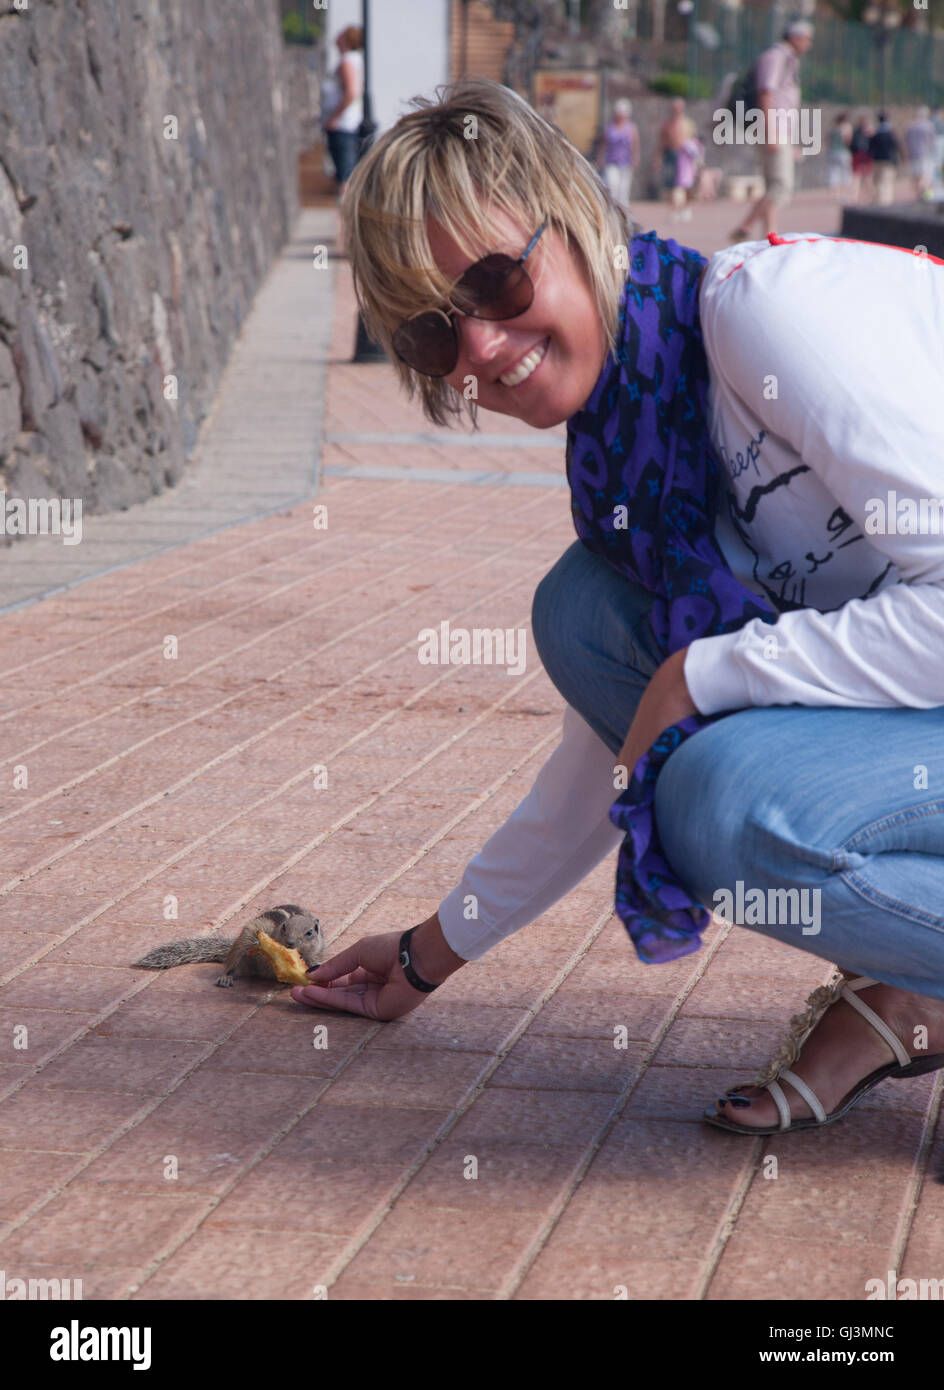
(541, 366)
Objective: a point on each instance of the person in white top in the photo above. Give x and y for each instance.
(825, 782)
(343, 120)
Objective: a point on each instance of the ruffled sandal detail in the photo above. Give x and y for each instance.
(801, 1025)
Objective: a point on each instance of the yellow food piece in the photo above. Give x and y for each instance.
(287, 963)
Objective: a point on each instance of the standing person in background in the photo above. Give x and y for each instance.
(343, 122)
(673, 134)
(620, 143)
(689, 160)
(778, 89)
(886, 154)
(861, 159)
(839, 166)
(937, 120)
(921, 145)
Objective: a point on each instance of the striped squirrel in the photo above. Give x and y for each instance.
(288, 924)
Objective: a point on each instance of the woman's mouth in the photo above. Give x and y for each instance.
(522, 370)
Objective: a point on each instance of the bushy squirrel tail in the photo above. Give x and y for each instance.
(198, 948)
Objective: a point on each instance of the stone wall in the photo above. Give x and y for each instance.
(148, 153)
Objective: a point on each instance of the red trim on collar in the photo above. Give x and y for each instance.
(776, 240)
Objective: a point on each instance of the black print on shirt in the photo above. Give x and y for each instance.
(790, 593)
(742, 462)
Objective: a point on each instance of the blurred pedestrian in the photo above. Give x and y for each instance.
(674, 133)
(937, 120)
(620, 143)
(778, 89)
(689, 160)
(921, 145)
(839, 161)
(886, 155)
(346, 91)
(861, 159)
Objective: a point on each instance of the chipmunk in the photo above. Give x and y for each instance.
(290, 925)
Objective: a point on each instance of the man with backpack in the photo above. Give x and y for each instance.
(775, 81)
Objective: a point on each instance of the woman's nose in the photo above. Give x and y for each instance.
(480, 340)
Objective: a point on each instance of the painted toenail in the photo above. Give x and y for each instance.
(739, 1102)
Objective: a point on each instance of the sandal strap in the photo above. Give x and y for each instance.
(848, 992)
(807, 1092)
(781, 1102)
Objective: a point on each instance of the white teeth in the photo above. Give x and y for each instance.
(525, 367)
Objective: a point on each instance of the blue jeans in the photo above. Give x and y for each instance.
(779, 797)
(344, 148)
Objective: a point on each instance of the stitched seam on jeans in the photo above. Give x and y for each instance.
(914, 813)
(878, 899)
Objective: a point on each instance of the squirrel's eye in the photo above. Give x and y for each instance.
(309, 932)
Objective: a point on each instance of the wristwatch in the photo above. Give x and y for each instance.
(415, 980)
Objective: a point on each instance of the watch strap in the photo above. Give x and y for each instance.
(404, 957)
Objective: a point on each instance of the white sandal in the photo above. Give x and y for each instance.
(801, 1025)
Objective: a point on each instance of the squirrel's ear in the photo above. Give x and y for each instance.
(278, 916)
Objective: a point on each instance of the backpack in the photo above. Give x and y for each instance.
(743, 88)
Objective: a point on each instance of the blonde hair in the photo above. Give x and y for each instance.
(478, 148)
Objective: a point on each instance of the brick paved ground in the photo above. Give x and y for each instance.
(151, 779)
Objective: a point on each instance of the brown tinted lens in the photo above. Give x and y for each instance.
(496, 287)
(427, 343)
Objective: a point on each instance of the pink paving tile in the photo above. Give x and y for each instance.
(577, 1013)
(76, 987)
(288, 1039)
(502, 1118)
(85, 1227)
(727, 993)
(83, 1282)
(796, 1270)
(36, 1118)
(232, 1262)
(452, 1025)
(563, 1064)
(601, 1271)
(223, 1106)
(401, 1288)
(363, 1133)
(714, 1042)
(29, 1035)
(26, 1175)
(843, 1185)
(148, 1066)
(410, 1076)
(165, 1154)
(658, 1189)
(492, 1242)
(206, 1014)
(512, 1179)
(307, 1194)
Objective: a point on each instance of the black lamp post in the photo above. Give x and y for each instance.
(365, 349)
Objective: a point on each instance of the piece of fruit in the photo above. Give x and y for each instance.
(287, 963)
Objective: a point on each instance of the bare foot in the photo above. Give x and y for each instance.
(841, 1050)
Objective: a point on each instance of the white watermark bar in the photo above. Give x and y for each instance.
(781, 125)
(42, 516)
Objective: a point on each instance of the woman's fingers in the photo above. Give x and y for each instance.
(351, 1001)
(344, 963)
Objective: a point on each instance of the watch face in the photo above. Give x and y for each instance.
(404, 958)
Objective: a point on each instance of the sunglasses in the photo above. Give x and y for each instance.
(496, 287)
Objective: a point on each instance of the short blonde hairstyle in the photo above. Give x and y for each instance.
(477, 149)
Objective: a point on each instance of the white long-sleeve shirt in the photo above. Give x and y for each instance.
(826, 407)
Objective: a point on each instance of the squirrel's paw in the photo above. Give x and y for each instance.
(225, 982)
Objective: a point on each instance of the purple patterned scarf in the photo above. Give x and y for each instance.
(641, 440)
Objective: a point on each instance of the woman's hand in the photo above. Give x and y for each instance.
(665, 701)
(368, 979)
